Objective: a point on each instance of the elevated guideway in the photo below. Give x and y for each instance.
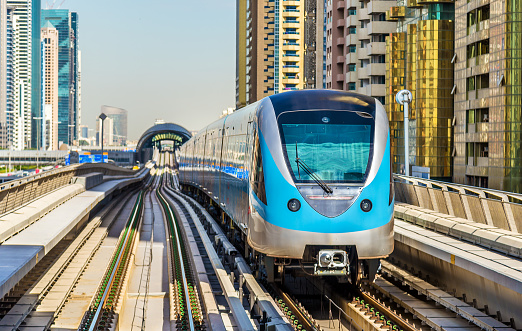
(29, 233)
(468, 240)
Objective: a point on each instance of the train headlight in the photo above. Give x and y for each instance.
(294, 205)
(366, 205)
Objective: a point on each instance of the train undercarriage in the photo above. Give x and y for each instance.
(339, 261)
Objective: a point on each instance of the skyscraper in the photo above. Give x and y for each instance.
(66, 23)
(36, 75)
(22, 72)
(419, 57)
(488, 94)
(355, 46)
(4, 63)
(116, 128)
(50, 64)
(270, 48)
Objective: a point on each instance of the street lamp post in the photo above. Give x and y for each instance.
(69, 126)
(37, 139)
(404, 97)
(102, 118)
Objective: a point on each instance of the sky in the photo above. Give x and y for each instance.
(158, 59)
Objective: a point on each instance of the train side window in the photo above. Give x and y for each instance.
(257, 176)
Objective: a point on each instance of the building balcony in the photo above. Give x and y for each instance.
(374, 90)
(476, 170)
(362, 73)
(339, 78)
(362, 14)
(483, 59)
(351, 76)
(291, 24)
(376, 48)
(379, 27)
(291, 47)
(478, 161)
(340, 59)
(351, 39)
(362, 33)
(340, 5)
(291, 3)
(427, 2)
(290, 80)
(352, 20)
(481, 128)
(291, 13)
(377, 7)
(340, 41)
(397, 12)
(291, 69)
(482, 25)
(413, 4)
(352, 58)
(362, 53)
(377, 69)
(483, 93)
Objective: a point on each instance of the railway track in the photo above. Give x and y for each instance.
(100, 316)
(186, 308)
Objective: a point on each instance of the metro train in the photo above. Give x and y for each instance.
(303, 178)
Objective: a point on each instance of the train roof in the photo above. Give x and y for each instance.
(322, 99)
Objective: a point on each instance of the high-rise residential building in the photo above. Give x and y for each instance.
(36, 77)
(488, 94)
(420, 57)
(50, 50)
(117, 135)
(66, 23)
(22, 73)
(270, 48)
(5, 70)
(355, 46)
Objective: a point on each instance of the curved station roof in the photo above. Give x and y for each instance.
(163, 131)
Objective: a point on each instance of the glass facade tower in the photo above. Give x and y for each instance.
(66, 23)
(419, 57)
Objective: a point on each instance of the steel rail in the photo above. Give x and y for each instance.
(116, 265)
(387, 311)
(186, 291)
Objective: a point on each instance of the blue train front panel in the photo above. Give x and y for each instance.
(318, 159)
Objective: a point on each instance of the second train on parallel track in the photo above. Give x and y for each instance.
(304, 179)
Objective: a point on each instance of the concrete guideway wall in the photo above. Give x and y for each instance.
(494, 208)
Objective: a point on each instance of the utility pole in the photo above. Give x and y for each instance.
(102, 118)
(404, 97)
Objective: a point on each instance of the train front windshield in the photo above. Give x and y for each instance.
(336, 146)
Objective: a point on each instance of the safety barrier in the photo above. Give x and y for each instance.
(17, 193)
(496, 208)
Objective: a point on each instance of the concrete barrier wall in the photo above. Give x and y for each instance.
(496, 208)
(17, 193)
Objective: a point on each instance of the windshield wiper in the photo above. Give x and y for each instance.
(310, 173)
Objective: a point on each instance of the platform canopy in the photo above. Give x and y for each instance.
(164, 131)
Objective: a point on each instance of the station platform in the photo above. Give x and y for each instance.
(472, 260)
(47, 226)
